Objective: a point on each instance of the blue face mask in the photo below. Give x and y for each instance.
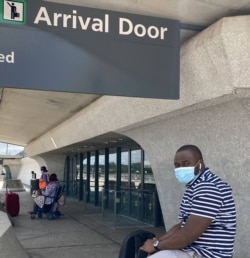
(185, 174)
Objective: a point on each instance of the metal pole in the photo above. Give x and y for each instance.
(115, 208)
(103, 193)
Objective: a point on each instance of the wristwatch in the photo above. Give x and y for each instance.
(155, 244)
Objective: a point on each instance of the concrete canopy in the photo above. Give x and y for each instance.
(25, 115)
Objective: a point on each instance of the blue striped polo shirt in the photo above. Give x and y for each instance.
(208, 196)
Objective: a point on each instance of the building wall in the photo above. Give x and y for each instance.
(222, 133)
(54, 164)
(213, 112)
(11, 167)
(28, 165)
(211, 63)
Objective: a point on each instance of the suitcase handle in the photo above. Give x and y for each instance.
(7, 188)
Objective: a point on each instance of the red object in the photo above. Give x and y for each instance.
(12, 205)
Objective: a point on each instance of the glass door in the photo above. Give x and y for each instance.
(112, 183)
(92, 179)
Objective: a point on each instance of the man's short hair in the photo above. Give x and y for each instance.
(44, 169)
(192, 148)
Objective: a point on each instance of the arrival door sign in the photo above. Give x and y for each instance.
(59, 47)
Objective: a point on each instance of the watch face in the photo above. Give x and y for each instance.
(156, 243)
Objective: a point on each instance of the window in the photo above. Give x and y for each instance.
(112, 169)
(136, 172)
(11, 149)
(125, 175)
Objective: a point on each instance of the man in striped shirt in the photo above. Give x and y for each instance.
(207, 213)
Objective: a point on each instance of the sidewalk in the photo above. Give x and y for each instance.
(81, 232)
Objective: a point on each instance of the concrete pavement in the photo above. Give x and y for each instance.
(81, 232)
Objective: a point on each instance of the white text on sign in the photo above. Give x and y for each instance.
(7, 58)
(100, 24)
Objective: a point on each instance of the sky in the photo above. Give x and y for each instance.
(10, 149)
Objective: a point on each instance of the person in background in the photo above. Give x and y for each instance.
(207, 215)
(48, 194)
(51, 189)
(43, 182)
(44, 178)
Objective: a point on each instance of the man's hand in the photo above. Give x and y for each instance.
(148, 246)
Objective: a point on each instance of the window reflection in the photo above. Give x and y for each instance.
(148, 173)
(136, 168)
(101, 170)
(125, 178)
(85, 169)
(127, 188)
(112, 169)
(92, 178)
